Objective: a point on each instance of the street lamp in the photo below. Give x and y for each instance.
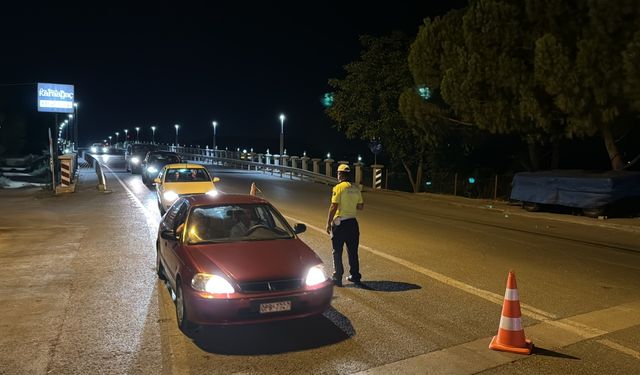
(109, 141)
(215, 123)
(153, 134)
(117, 138)
(126, 135)
(177, 127)
(75, 128)
(281, 134)
(137, 134)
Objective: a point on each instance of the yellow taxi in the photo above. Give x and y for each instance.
(176, 180)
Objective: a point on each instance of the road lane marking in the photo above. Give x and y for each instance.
(620, 348)
(177, 349)
(475, 356)
(498, 299)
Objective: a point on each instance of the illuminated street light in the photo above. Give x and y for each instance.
(215, 124)
(105, 141)
(281, 134)
(153, 134)
(75, 127)
(137, 134)
(117, 137)
(126, 135)
(177, 127)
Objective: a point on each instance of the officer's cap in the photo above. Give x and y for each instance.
(344, 168)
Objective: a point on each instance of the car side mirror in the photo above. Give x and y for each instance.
(299, 228)
(156, 180)
(216, 179)
(168, 234)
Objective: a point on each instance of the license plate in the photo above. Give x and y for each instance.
(266, 308)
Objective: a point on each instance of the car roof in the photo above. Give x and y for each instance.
(159, 152)
(184, 165)
(223, 199)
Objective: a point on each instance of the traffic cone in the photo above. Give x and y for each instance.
(254, 189)
(510, 337)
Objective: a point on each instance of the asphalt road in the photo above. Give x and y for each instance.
(435, 271)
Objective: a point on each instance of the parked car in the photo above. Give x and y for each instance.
(135, 154)
(220, 276)
(153, 163)
(175, 180)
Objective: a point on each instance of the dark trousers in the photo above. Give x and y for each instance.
(348, 232)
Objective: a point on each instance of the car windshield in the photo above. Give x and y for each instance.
(233, 223)
(187, 175)
(165, 159)
(141, 148)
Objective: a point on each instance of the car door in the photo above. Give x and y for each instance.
(166, 243)
(173, 246)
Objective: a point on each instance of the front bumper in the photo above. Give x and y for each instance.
(245, 308)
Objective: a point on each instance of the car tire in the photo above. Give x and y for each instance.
(159, 267)
(186, 326)
(144, 179)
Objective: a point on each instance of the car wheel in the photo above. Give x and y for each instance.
(159, 267)
(185, 325)
(144, 179)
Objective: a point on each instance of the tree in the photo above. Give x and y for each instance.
(488, 76)
(585, 72)
(365, 102)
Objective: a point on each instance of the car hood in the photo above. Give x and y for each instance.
(189, 187)
(255, 260)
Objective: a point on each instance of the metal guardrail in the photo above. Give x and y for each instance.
(274, 169)
(102, 181)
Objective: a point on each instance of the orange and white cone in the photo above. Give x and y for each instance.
(510, 337)
(254, 189)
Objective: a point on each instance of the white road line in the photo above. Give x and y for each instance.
(498, 299)
(176, 344)
(620, 348)
(152, 220)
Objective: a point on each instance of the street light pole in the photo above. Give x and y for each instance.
(281, 134)
(153, 134)
(215, 123)
(75, 125)
(117, 138)
(177, 127)
(137, 134)
(126, 135)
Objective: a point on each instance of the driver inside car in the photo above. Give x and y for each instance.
(241, 228)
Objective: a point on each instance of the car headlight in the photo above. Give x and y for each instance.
(315, 275)
(104, 149)
(135, 160)
(170, 195)
(212, 193)
(213, 284)
(94, 149)
(152, 170)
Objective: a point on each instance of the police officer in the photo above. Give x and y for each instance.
(343, 226)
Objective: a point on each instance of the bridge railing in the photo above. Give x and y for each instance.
(242, 160)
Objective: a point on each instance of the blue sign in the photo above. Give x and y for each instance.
(53, 97)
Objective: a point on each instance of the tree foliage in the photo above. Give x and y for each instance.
(584, 72)
(366, 100)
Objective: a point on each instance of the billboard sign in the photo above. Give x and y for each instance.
(53, 97)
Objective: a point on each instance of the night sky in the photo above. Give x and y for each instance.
(241, 65)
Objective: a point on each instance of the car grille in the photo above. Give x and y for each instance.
(270, 286)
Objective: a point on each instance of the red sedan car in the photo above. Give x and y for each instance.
(232, 259)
